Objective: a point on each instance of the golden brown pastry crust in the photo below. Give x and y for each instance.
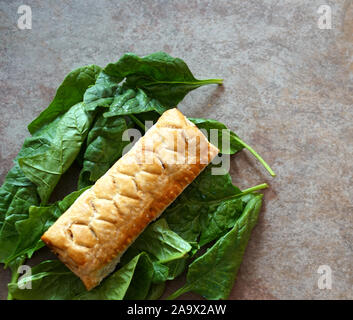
(95, 231)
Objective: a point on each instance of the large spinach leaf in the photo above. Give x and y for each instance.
(104, 146)
(20, 199)
(50, 280)
(132, 101)
(45, 168)
(101, 94)
(40, 219)
(204, 196)
(69, 93)
(167, 250)
(17, 194)
(161, 76)
(142, 278)
(120, 99)
(212, 275)
(219, 218)
(123, 284)
(162, 243)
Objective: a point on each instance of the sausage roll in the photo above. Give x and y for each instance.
(95, 231)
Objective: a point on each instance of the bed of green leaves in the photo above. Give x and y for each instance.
(85, 123)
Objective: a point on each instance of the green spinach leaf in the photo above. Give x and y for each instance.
(203, 197)
(162, 243)
(40, 219)
(141, 279)
(132, 101)
(104, 147)
(161, 76)
(69, 93)
(19, 199)
(219, 218)
(101, 94)
(45, 169)
(117, 285)
(50, 280)
(17, 194)
(212, 275)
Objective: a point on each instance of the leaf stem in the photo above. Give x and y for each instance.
(15, 275)
(235, 196)
(213, 81)
(242, 193)
(255, 188)
(178, 293)
(256, 155)
(197, 82)
(138, 122)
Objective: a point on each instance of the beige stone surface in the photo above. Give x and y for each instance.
(288, 92)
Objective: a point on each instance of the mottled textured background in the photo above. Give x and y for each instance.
(287, 91)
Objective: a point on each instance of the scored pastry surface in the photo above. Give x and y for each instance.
(95, 231)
